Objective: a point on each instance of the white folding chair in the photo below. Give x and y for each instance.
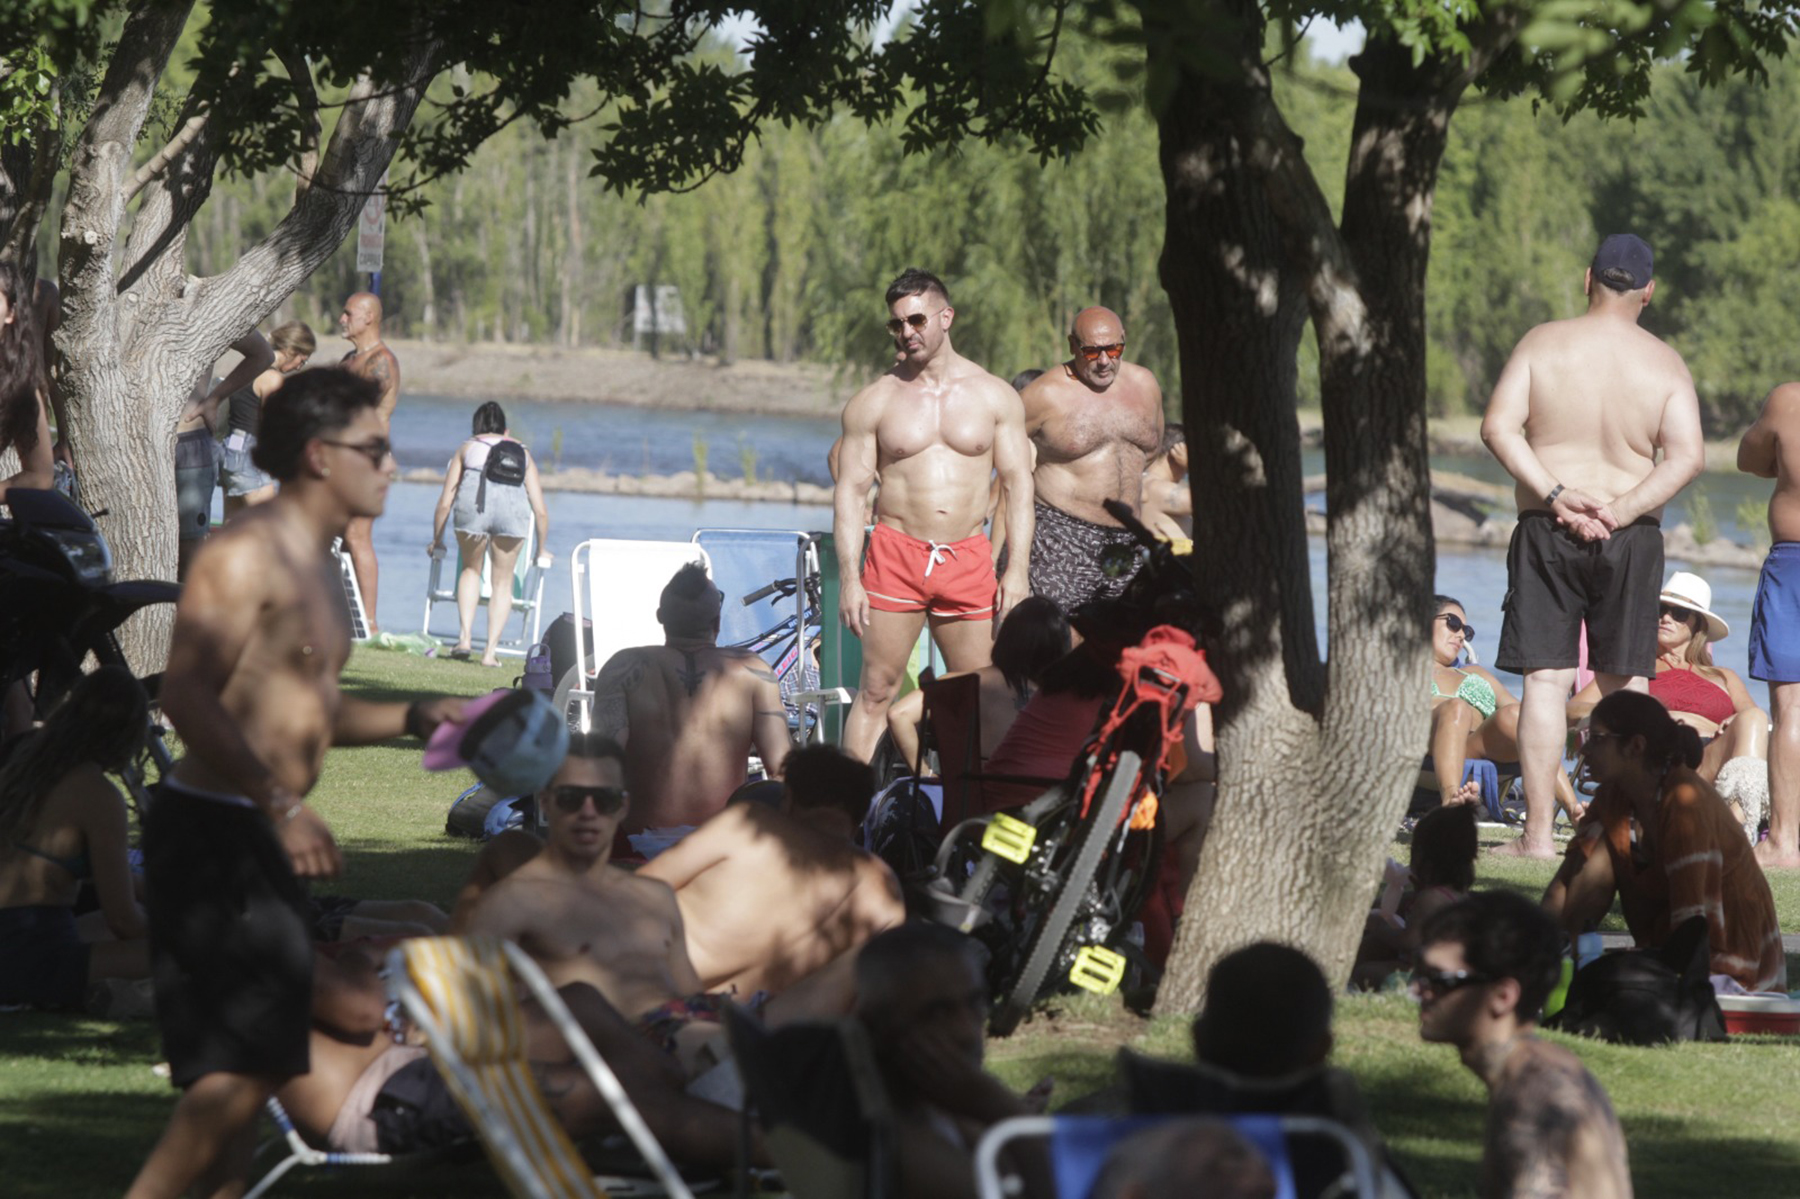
(618, 585)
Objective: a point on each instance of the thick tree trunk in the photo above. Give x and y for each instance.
(137, 329)
(1315, 764)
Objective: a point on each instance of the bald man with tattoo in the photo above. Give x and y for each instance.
(689, 711)
(1486, 966)
(360, 322)
(1095, 422)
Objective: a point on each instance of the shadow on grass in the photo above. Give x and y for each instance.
(90, 1143)
(74, 1040)
(432, 870)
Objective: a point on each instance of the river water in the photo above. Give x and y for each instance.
(427, 430)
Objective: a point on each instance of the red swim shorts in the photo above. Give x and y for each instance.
(954, 581)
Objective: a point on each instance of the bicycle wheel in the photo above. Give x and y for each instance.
(1046, 943)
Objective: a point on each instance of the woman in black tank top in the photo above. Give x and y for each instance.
(245, 482)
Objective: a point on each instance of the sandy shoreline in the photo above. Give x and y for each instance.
(594, 376)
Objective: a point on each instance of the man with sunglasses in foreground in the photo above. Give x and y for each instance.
(261, 636)
(935, 428)
(1486, 966)
(587, 921)
(1094, 422)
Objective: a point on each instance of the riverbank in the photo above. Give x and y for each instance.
(1457, 517)
(586, 375)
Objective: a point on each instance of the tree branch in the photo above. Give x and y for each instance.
(300, 72)
(184, 137)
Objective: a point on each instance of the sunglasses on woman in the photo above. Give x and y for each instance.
(1682, 615)
(1457, 624)
(571, 799)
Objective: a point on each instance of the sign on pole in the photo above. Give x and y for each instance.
(371, 229)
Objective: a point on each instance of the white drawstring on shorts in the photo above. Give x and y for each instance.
(936, 555)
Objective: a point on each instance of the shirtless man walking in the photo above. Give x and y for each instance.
(689, 711)
(1486, 966)
(1771, 450)
(260, 638)
(935, 428)
(360, 322)
(1577, 418)
(1095, 422)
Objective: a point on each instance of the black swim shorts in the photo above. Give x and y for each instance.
(230, 944)
(1555, 580)
(414, 1111)
(1065, 558)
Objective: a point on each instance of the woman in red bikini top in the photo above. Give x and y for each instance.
(1710, 699)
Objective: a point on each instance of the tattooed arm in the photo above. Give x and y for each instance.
(769, 718)
(612, 694)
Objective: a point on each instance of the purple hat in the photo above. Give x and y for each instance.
(1623, 262)
(514, 741)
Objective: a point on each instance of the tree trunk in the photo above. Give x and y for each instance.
(1315, 764)
(137, 330)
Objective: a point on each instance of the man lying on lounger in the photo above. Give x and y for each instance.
(366, 1094)
(771, 898)
(586, 921)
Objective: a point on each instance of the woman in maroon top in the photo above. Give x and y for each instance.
(1710, 699)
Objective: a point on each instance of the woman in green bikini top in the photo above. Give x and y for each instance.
(1472, 713)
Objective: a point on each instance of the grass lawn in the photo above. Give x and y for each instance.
(79, 1107)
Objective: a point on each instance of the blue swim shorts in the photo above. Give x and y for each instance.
(1775, 619)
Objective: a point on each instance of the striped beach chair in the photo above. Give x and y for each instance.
(300, 1153)
(462, 993)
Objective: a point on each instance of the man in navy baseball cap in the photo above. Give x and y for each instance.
(1623, 262)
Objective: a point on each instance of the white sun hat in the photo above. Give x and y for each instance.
(1690, 591)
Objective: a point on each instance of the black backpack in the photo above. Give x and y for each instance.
(1647, 996)
(505, 467)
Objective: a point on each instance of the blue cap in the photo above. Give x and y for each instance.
(1623, 262)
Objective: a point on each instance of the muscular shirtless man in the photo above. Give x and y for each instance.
(360, 322)
(260, 638)
(688, 711)
(1577, 418)
(586, 921)
(935, 428)
(773, 897)
(1095, 422)
(1771, 450)
(1486, 965)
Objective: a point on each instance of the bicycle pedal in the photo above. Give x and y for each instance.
(1009, 838)
(1097, 969)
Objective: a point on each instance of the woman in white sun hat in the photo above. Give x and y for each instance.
(1709, 698)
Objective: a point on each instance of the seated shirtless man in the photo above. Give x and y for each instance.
(367, 1094)
(771, 897)
(586, 921)
(688, 712)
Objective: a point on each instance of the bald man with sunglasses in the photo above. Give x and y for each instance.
(1095, 422)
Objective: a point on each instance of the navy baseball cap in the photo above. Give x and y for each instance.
(1623, 262)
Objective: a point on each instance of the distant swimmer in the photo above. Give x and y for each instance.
(689, 711)
(1095, 422)
(1577, 418)
(935, 428)
(360, 322)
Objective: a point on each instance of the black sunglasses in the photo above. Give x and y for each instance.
(1442, 982)
(1684, 615)
(572, 799)
(1457, 624)
(376, 451)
